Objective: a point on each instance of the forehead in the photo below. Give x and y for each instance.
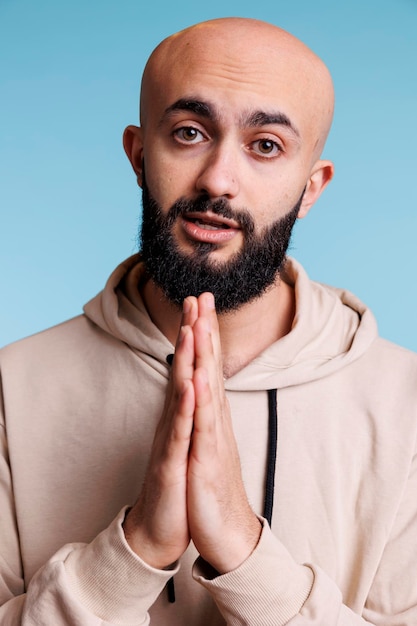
(241, 67)
(235, 82)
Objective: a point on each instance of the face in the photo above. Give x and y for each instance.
(240, 279)
(224, 119)
(198, 150)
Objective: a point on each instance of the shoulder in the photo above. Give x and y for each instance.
(387, 374)
(49, 338)
(54, 347)
(396, 359)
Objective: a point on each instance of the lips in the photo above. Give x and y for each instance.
(209, 227)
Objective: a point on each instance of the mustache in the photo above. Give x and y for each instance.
(220, 207)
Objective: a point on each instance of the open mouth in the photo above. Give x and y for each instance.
(211, 220)
(209, 227)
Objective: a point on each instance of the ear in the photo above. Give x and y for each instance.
(133, 145)
(320, 176)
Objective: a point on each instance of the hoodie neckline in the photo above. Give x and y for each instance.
(331, 329)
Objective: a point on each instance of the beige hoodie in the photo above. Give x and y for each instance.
(80, 404)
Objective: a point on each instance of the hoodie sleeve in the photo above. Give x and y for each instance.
(101, 582)
(271, 588)
(96, 584)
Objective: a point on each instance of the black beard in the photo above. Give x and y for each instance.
(245, 276)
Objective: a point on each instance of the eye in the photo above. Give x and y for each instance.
(266, 147)
(189, 134)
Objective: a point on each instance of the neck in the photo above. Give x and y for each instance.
(244, 333)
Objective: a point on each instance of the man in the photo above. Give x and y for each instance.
(261, 472)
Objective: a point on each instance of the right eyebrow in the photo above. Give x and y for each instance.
(193, 105)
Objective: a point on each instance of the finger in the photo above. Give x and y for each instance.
(183, 365)
(173, 435)
(207, 310)
(204, 434)
(189, 311)
(208, 353)
(182, 424)
(206, 332)
(205, 355)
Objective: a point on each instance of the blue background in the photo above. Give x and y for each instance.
(69, 81)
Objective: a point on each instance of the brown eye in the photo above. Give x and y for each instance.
(189, 134)
(266, 146)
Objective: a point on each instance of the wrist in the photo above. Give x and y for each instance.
(236, 548)
(156, 554)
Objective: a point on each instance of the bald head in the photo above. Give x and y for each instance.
(245, 54)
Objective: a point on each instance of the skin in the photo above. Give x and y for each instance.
(237, 68)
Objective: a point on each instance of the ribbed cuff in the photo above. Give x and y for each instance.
(111, 581)
(267, 588)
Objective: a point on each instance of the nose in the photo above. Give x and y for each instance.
(218, 176)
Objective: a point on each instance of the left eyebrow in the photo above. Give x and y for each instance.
(263, 118)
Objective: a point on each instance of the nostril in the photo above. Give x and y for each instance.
(217, 180)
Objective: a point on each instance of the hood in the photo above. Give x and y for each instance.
(331, 329)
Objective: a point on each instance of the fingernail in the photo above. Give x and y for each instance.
(186, 306)
(181, 334)
(210, 300)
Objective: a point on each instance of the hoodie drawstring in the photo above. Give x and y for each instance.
(272, 454)
(170, 587)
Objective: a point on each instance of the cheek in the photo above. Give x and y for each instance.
(160, 180)
(166, 179)
(274, 205)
